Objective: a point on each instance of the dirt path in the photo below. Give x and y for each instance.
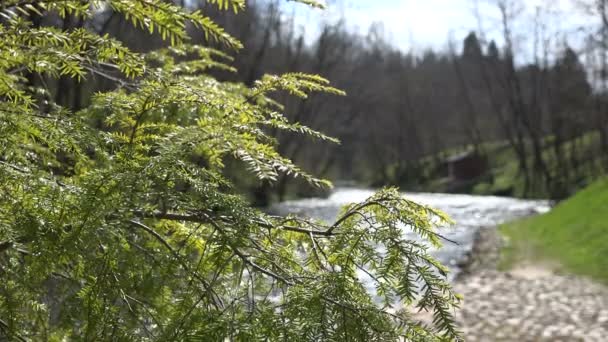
(532, 305)
(529, 303)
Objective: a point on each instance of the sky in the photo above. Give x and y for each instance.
(422, 24)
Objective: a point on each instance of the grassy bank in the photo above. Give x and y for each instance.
(573, 235)
(581, 167)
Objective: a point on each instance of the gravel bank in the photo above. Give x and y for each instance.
(528, 303)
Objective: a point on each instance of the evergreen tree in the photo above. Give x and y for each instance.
(492, 52)
(117, 224)
(571, 81)
(471, 48)
(571, 94)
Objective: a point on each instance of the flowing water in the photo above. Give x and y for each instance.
(469, 212)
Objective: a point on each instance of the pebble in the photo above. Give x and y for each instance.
(526, 304)
(501, 307)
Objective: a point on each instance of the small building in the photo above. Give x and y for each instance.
(466, 166)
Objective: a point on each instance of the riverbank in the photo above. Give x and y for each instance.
(530, 302)
(574, 235)
(484, 254)
(578, 167)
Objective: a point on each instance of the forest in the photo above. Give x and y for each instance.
(547, 111)
(543, 115)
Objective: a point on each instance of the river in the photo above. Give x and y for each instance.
(469, 212)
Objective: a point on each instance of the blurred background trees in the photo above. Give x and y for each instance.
(539, 123)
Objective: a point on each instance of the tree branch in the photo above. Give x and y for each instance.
(218, 302)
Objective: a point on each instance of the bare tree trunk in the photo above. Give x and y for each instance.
(256, 62)
(602, 113)
(471, 125)
(69, 91)
(516, 101)
(511, 127)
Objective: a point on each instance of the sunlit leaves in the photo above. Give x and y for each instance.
(169, 21)
(116, 222)
(12, 8)
(194, 59)
(312, 3)
(371, 237)
(51, 51)
(297, 84)
(234, 5)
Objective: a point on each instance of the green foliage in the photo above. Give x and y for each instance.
(312, 3)
(116, 222)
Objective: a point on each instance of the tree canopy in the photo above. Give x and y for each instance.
(117, 222)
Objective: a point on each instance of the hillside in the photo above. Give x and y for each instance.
(574, 235)
(580, 165)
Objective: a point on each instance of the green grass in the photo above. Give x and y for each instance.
(573, 235)
(504, 168)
